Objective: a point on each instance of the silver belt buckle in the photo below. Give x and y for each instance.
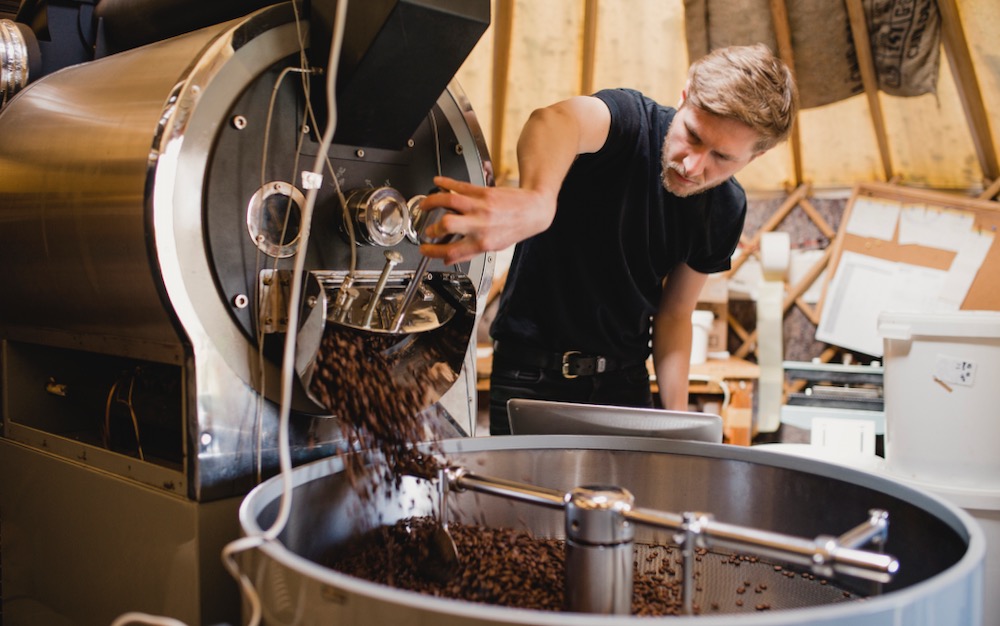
(565, 364)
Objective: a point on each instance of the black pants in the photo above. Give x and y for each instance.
(625, 387)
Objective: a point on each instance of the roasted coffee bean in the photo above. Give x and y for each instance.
(513, 568)
(378, 391)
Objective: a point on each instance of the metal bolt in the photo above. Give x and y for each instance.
(206, 438)
(239, 122)
(240, 301)
(459, 149)
(360, 153)
(410, 143)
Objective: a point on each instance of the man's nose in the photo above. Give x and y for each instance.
(694, 163)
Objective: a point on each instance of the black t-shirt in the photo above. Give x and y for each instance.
(591, 281)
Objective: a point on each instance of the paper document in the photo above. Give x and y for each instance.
(874, 218)
(934, 228)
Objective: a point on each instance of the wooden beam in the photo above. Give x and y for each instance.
(738, 328)
(783, 33)
(808, 310)
(862, 47)
(748, 346)
(960, 59)
(796, 290)
(817, 219)
(790, 202)
(503, 33)
(589, 47)
(990, 192)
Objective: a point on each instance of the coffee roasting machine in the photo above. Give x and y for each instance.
(169, 187)
(155, 164)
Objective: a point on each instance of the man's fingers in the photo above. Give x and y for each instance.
(450, 253)
(454, 201)
(455, 185)
(441, 222)
(443, 201)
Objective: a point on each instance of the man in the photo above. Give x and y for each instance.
(624, 207)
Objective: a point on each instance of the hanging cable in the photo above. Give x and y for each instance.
(261, 371)
(312, 181)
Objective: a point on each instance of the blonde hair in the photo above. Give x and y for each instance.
(748, 84)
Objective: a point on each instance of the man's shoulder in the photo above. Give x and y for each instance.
(635, 114)
(626, 96)
(727, 201)
(731, 190)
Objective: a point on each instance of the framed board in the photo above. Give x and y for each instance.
(912, 250)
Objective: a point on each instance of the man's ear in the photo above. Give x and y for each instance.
(684, 94)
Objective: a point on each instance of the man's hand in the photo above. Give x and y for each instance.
(494, 218)
(484, 218)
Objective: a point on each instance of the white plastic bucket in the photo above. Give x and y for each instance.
(701, 326)
(984, 506)
(942, 397)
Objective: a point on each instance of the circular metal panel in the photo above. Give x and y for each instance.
(273, 218)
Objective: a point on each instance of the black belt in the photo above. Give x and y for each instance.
(571, 363)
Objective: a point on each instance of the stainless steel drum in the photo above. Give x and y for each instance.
(940, 549)
(151, 202)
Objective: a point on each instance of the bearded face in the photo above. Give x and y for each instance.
(702, 150)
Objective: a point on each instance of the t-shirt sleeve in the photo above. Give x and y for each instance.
(625, 106)
(724, 214)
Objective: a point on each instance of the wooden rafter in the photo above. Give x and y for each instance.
(783, 33)
(991, 192)
(589, 47)
(776, 218)
(503, 33)
(862, 47)
(957, 50)
(817, 219)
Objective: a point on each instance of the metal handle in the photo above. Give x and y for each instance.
(825, 555)
(421, 271)
(392, 259)
(409, 294)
